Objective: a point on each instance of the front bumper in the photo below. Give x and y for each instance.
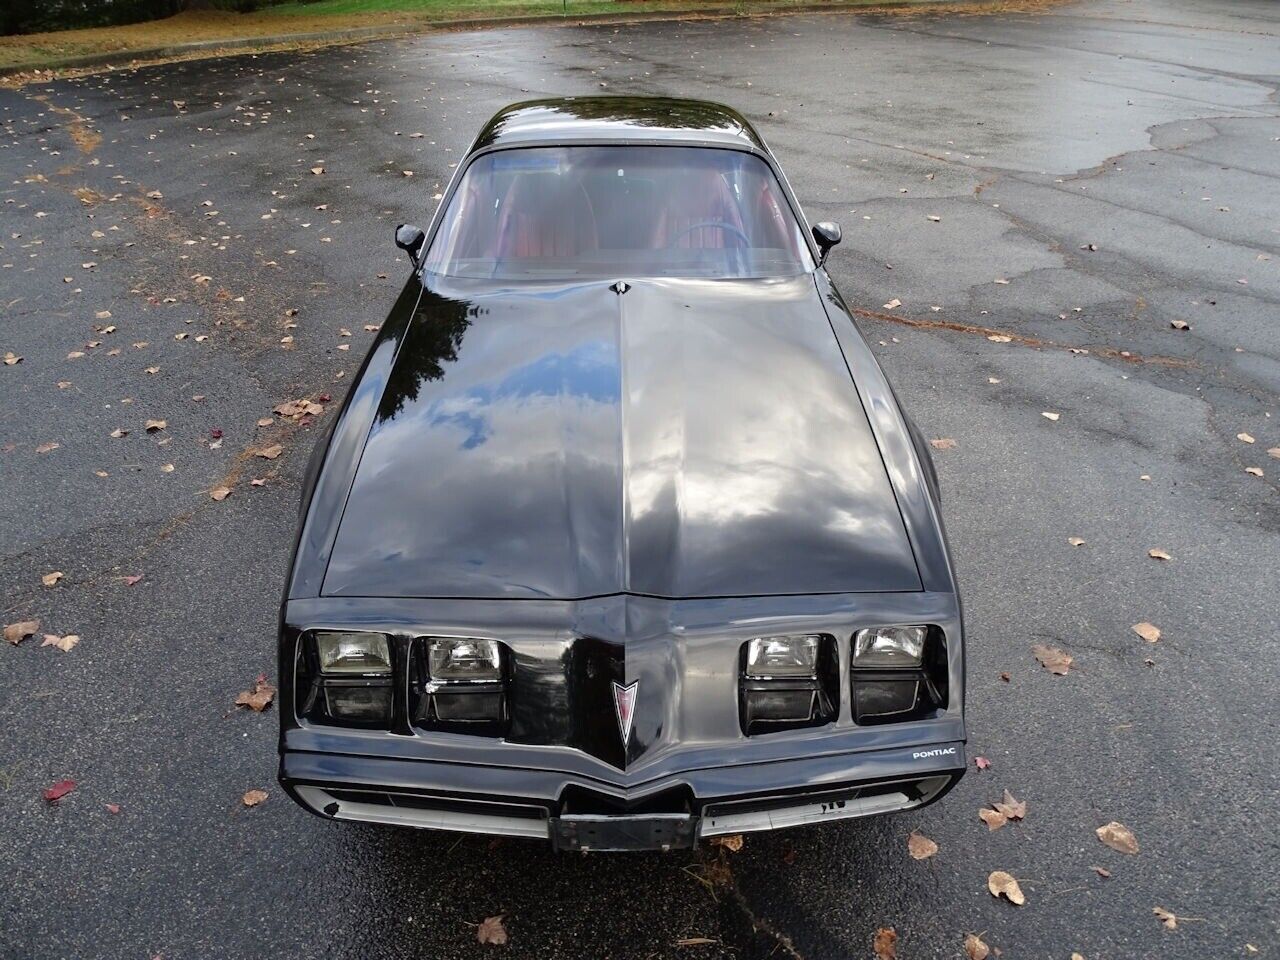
(575, 812)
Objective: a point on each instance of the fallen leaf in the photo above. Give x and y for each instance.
(1003, 884)
(59, 790)
(920, 847)
(62, 643)
(695, 942)
(1118, 837)
(15, 633)
(131, 579)
(1000, 338)
(253, 797)
(220, 493)
(1253, 471)
(975, 949)
(994, 819)
(1245, 437)
(51, 579)
(269, 453)
(942, 443)
(1011, 807)
(317, 170)
(1169, 920)
(1102, 872)
(1155, 553)
(1005, 677)
(265, 422)
(1179, 324)
(895, 302)
(1076, 541)
(117, 433)
(1050, 416)
(982, 763)
(1147, 631)
(47, 447)
(732, 842)
(167, 468)
(1056, 661)
(885, 944)
(156, 425)
(1274, 452)
(492, 931)
(113, 808)
(11, 359)
(258, 698)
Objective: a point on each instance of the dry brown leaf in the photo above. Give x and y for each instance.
(1156, 553)
(1253, 471)
(1247, 438)
(895, 302)
(155, 425)
(167, 468)
(920, 847)
(492, 931)
(259, 697)
(220, 493)
(1000, 338)
(51, 579)
(732, 842)
(47, 447)
(1049, 415)
(942, 443)
(1274, 452)
(1056, 661)
(15, 633)
(994, 819)
(1003, 884)
(975, 949)
(62, 643)
(1103, 872)
(1169, 920)
(11, 358)
(252, 798)
(270, 453)
(1076, 541)
(265, 422)
(117, 433)
(1011, 807)
(1118, 837)
(885, 944)
(1179, 324)
(1147, 631)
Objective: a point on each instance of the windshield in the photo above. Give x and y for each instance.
(625, 211)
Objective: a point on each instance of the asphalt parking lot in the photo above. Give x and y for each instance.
(1029, 201)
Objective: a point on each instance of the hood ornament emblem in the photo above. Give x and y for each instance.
(624, 703)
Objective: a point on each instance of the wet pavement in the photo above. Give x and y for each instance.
(1096, 172)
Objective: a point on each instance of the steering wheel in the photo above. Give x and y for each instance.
(713, 224)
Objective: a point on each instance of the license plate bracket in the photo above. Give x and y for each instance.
(657, 831)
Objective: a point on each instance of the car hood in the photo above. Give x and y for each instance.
(684, 438)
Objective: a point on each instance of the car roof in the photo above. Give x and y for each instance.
(618, 119)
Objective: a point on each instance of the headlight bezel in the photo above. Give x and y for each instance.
(377, 651)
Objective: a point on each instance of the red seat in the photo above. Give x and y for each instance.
(700, 198)
(546, 216)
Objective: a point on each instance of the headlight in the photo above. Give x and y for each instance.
(770, 657)
(454, 658)
(353, 653)
(889, 647)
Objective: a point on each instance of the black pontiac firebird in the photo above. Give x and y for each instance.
(620, 539)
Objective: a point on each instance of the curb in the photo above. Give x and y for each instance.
(129, 58)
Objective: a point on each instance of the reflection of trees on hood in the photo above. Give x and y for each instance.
(432, 340)
(641, 111)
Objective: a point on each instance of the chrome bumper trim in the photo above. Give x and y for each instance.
(807, 813)
(325, 804)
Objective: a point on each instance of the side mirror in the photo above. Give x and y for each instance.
(828, 235)
(410, 239)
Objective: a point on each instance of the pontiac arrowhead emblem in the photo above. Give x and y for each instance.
(624, 703)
